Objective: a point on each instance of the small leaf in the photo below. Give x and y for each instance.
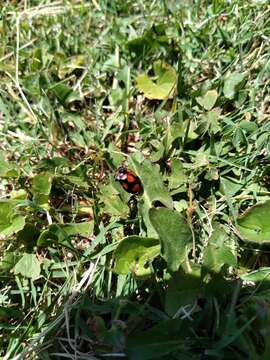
(7, 169)
(254, 224)
(28, 266)
(217, 253)
(174, 234)
(42, 184)
(41, 188)
(178, 177)
(134, 254)
(65, 94)
(232, 84)
(164, 86)
(208, 100)
(10, 221)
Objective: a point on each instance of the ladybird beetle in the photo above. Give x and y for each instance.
(129, 181)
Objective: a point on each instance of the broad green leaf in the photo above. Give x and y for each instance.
(65, 94)
(113, 204)
(232, 84)
(60, 232)
(261, 274)
(42, 184)
(47, 237)
(7, 313)
(165, 84)
(41, 188)
(28, 266)
(154, 188)
(165, 338)
(254, 224)
(174, 234)
(76, 62)
(217, 253)
(239, 139)
(183, 290)
(7, 169)
(177, 177)
(151, 39)
(134, 254)
(8, 261)
(229, 187)
(28, 236)
(10, 221)
(82, 229)
(208, 100)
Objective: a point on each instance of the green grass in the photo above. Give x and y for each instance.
(88, 271)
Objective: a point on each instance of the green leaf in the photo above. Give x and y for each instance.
(113, 204)
(208, 100)
(154, 191)
(134, 254)
(7, 169)
(261, 274)
(65, 94)
(28, 266)
(229, 186)
(174, 234)
(70, 65)
(8, 261)
(183, 289)
(47, 237)
(154, 188)
(28, 236)
(10, 221)
(60, 232)
(177, 177)
(217, 253)
(165, 84)
(232, 84)
(254, 224)
(8, 313)
(162, 339)
(41, 188)
(42, 184)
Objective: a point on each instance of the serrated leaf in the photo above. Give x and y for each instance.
(134, 254)
(164, 86)
(28, 266)
(254, 224)
(174, 234)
